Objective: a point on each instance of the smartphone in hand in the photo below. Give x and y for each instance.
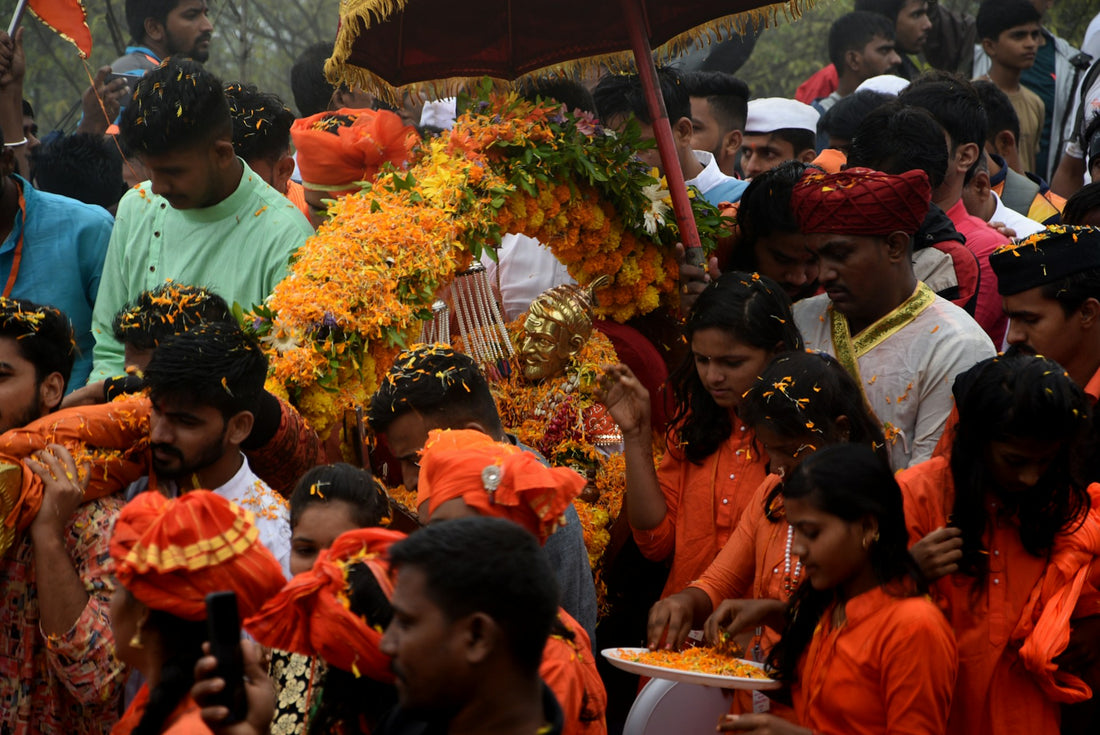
(224, 629)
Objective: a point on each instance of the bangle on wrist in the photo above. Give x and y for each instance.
(17, 143)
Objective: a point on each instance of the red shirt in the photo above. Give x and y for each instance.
(982, 240)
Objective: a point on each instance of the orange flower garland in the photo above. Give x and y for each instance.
(361, 287)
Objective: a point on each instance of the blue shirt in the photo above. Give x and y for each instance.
(64, 244)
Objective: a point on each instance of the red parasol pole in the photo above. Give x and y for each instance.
(662, 130)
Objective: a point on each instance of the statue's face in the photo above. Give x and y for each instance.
(545, 347)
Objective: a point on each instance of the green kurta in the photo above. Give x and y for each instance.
(239, 248)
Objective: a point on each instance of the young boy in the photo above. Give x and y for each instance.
(1009, 33)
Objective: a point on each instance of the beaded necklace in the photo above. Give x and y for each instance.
(790, 581)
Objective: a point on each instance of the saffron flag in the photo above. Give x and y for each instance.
(68, 18)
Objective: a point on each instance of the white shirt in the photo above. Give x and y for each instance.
(711, 176)
(908, 377)
(524, 268)
(271, 514)
(1091, 43)
(1024, 226)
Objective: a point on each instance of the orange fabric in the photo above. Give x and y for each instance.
(753, 561)
(1008, 631)
(310, 615)
(185, 720)
(569, 669)
(296, 193)
(889, 668)
(704, 503)
(753, 564)
(860, 201)
(68, 18)
(338, 149)
(113, 437)
(171, 553)
(454, 464)
(831, 160)
(1046, 207)
(1092, 388)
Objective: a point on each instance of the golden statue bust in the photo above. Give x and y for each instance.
(558, 325)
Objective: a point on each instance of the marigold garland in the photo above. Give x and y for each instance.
(360, 288)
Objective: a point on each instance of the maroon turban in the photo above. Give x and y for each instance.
(860, 201)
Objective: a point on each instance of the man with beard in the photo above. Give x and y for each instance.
(901, 342)
(58, 673)
(163, 28)
(205, 386)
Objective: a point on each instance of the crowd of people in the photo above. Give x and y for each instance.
(863, 448)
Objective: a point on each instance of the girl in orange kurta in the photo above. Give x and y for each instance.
(1014, 565)
(799, 404)
(688, 507)
(863, 651)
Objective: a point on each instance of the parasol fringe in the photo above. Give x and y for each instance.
(368, 12)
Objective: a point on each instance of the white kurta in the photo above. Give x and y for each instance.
(908, 377)
(272, 514)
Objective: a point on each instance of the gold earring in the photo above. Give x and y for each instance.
(135, 640)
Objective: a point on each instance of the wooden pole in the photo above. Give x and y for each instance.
(662, 130)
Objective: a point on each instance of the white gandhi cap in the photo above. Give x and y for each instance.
(885, 84)
(776, 113)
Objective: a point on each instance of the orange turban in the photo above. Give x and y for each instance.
(171, 553)
(860, 201)
(495, 479)
(113, 438)
(311, 616)
(338, 149)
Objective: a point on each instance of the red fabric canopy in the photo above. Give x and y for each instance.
(430, 40)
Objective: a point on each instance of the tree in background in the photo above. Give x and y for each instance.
(790, 52)
(254, 41)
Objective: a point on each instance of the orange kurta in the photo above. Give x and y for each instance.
(753, 564)
(1009, 629)
(889, 668)
(704, 503)
(569, 669)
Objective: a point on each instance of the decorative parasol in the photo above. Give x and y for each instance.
(385, 46)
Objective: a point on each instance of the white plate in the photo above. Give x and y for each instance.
(618, 659)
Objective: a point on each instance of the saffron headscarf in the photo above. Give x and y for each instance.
(311, 615)
(1045, 257)
(495, 479)
(859, 201)
(170, 554)
(338, 149)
